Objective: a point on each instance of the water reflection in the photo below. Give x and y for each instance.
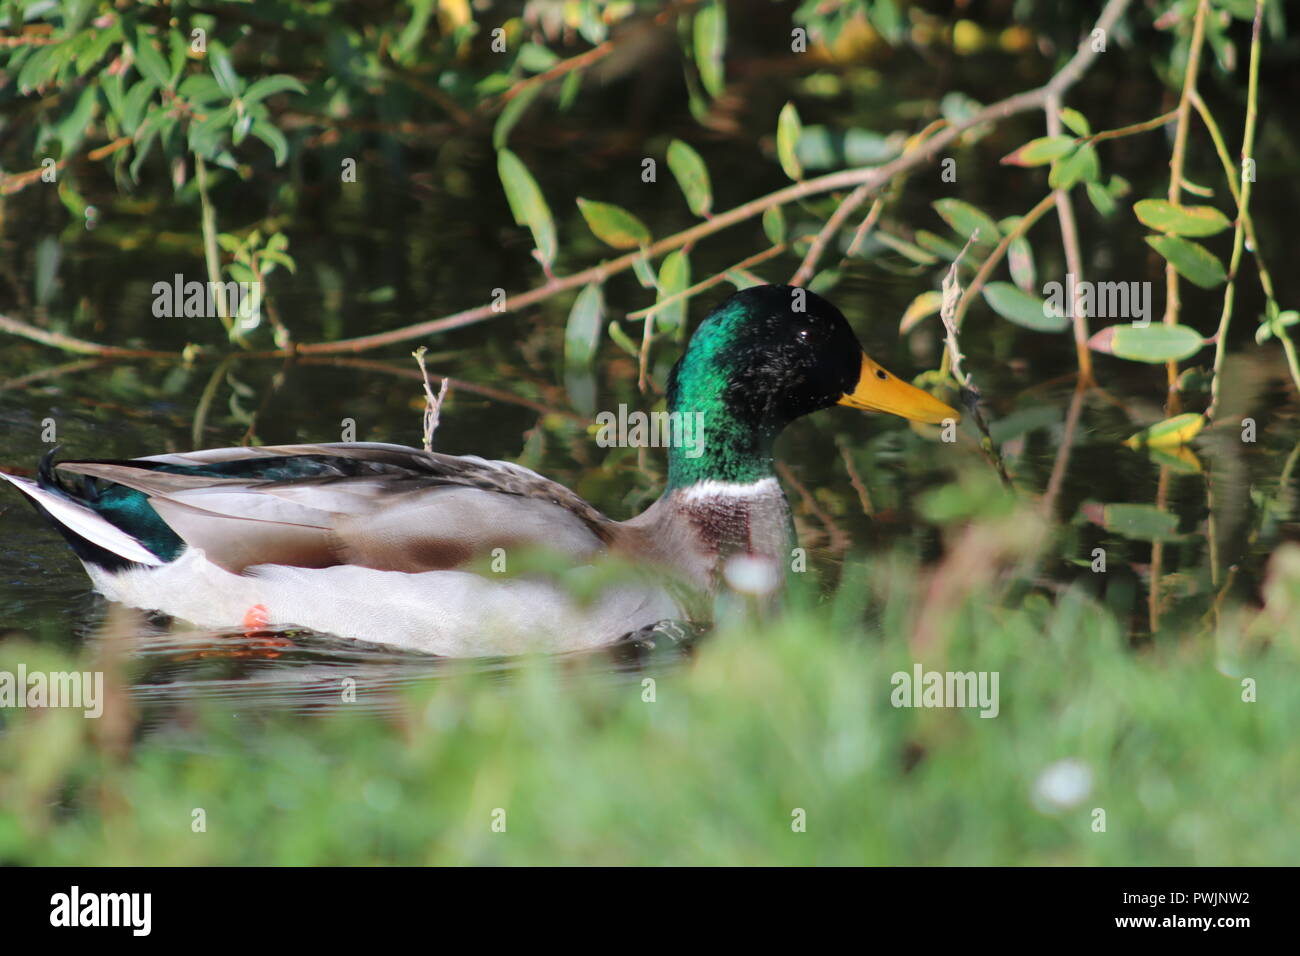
(308, 673)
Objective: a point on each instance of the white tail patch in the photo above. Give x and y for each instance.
(86, 523)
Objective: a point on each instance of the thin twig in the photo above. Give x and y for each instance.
(1172, 300)
(57, 371)
(15, 182)
(1073, 255)
(206, 397)
(70, 343)
(828, 231)
(432, 403)
(838, 539)
(864, 496)
(952, 294)
(1157, 554)
(1057, 478)
(845, 209)
(594, 55)
(999, 252)
(460, 384)
(1164, 119)
(643, 358)
(868, 223)
(211, 257)
(708, 283)
(1243, 214)
(970, 392)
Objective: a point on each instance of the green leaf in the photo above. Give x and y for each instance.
(1020, 255)
(219, 61)
(144, 138)
(48, 256)
(240, 272)
(265, 131)
(1193, 261)
(965, 219)
(1178, 430)
(1040, 152)
(512, 114)
(623, 341)
(1101, 198)
(692, 176)
(1076, 121)
(922, 307)
(569, 90)
(149, 61)
(645, 273)
(527, 204)
(1080, 166)
(1020, 260)
(710, 44)
(674, 278)
(207, 136)
(1164, 216)
(270, 85)
(1275, 323)
(591, 27)
(536, 58)
(134, 103)
(914, 253)
(114, 92)
(38, 70)
(742, 279)
(582, 331)
(201, 89)
(409, 39)
(940, 246)
(1143, 522)
(1018, 306)
(1154, 344)
(614, 225)
(823, 282)
(179, 54)
(98, 46)
(774, 225)
(241, 129)
(788, 128)
(272, 255)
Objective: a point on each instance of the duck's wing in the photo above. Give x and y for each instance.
(379, 506)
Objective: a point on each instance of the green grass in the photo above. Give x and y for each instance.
(765, 719)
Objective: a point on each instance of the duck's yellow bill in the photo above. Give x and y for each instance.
(880, 391)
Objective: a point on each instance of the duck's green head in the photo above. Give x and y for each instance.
(762, 358)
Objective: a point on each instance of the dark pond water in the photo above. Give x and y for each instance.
(420, 241)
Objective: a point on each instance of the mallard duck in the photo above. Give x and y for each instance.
(386, 543)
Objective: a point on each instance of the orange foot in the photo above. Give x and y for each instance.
(256, 618)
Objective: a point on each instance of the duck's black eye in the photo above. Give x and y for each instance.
(881, 373)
